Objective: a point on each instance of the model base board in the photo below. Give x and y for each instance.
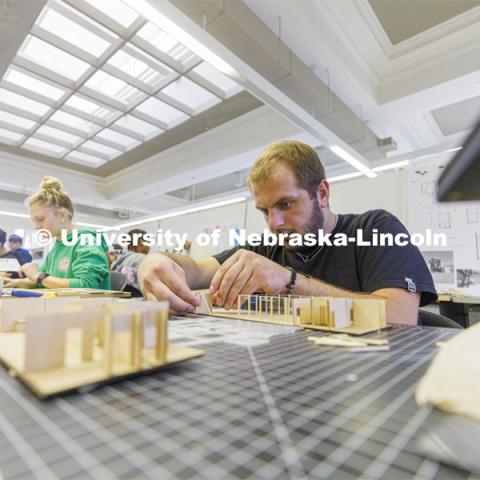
(75, 374)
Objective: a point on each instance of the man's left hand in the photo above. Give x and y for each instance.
(29, 270)
(245, 273)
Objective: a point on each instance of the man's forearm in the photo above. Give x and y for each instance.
(317, 288)
(193, 272)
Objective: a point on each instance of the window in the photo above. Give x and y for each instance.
(84, 159)
(10, 137)
(92, 108)
(57, 134)
(31, 83)
(17, 121)
(156, 109)
(118, 138)
(136, 125)
(190, 94)
(140, 66)
(52, 58)
(44, 147)
(112, 87)
(73, 32)
(99, 148)
(23, 103)
(75, 122)
(122, 14)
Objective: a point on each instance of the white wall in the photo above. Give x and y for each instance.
(387, 191)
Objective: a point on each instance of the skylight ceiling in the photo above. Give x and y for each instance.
(91, 82)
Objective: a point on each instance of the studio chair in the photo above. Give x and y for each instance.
(118, 281)
(431, 319)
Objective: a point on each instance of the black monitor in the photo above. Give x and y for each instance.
(460, 181)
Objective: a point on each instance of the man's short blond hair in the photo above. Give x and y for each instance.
(302, 160)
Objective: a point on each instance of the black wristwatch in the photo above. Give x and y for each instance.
(293, 279)
(41, 277)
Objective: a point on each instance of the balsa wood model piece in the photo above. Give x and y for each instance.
(356, 317)
(56, 345)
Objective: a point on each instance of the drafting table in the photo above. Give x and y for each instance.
(262, 403)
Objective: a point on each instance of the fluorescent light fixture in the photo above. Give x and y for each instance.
(344, 177)
(352, 161)
(453, 149)
(24, 215)
(13, 214)
(177, 213)
(92, 225)
(391, 166)
(155, 16)
(382, 168)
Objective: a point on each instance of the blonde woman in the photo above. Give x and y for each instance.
(69, 264)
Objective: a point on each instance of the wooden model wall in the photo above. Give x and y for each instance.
(355, 316)
(60, 344)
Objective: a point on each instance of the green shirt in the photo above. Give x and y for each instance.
(85, 265)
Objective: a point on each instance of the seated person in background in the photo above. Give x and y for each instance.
(15, 245)
(114, 251)
(3, 239)
(128, 262)
(289, 187)
(65, 266)
(4, 253)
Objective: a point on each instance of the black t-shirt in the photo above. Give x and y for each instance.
(358, 268)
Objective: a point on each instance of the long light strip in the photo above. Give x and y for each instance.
(92, 225)
(13, 214)
(381, 168)
(178, 213)
(352, 161)
(24, 215)
(391, 166)
(346, 176)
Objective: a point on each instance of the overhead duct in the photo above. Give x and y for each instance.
(236, 27)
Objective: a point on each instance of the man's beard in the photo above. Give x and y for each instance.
(314, 223)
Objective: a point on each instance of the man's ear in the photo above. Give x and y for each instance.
(323, 193)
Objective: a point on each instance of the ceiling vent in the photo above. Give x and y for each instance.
(387, 144)
(123, 213)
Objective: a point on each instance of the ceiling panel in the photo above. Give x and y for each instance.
(402, 19)
(458, 117)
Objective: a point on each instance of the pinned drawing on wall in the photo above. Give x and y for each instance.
(473, 214)
(468, 278)
(441, 266)
(477, 245)
(458, 221)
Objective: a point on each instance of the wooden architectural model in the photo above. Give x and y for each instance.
(55, 345)
(357, 316)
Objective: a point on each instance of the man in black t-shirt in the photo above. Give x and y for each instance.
(289, 187)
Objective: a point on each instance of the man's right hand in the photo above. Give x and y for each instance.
(160, 278)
